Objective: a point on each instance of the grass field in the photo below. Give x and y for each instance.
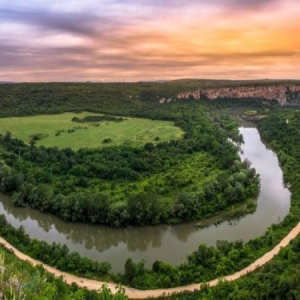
(61, 131)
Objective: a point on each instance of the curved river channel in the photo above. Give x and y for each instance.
(167, 243)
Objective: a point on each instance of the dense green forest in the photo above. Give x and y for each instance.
(79, 186)
(181, 180)
(204, 264)
(42, 98)
(279, 279)
(25, 174)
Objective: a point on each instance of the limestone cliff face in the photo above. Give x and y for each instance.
(185, 95)
(284, 94)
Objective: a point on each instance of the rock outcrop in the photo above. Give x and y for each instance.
(284, 94)
(185, 95)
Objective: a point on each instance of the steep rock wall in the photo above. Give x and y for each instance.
(185, 95)
(284, 94)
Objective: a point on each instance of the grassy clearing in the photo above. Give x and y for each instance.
(60, 131)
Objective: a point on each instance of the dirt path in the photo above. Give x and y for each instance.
(137, 294)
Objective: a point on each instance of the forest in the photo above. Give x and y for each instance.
(279, 279)
(175, 181)
(25, 175)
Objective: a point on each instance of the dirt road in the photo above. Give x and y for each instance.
(137, 294)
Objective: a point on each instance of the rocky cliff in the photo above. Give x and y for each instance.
(185, 95)
(284, 94)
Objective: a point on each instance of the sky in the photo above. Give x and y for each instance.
(140, 40)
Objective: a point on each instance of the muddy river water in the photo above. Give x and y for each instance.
(167, 243)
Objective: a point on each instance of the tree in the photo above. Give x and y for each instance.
(186, 206)
(149, 146)
(145, 208)
(106, 294)
(41, 196)
(130, 270)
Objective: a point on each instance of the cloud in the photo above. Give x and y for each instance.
(113, 15)
(170, 4)
(75, 23)
(245, 4)
(137, 40)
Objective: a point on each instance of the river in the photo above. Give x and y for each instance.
(167, 243)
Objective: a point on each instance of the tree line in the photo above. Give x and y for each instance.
(55, 255)
(279, 279)
(79, 185)
(206, 262)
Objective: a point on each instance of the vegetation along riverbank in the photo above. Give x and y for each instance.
(126, 184)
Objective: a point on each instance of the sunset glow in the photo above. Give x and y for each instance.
(130, 40)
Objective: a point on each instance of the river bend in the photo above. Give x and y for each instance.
(167, 243)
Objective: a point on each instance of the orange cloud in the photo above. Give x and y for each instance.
(189, 39)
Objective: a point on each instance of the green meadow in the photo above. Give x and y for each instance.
(60, 131)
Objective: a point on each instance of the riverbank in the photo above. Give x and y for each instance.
(230, 215)
(154, 243)
(137, 294)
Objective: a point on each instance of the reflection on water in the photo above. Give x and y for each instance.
(167, 243)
